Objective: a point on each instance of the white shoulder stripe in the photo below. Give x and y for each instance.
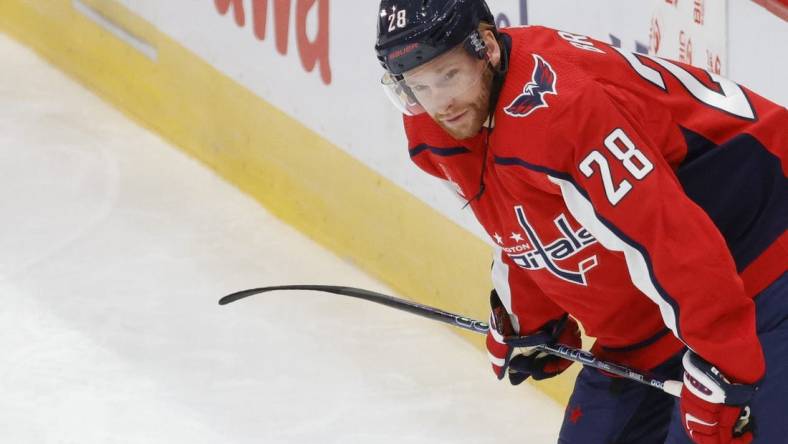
(583, 211)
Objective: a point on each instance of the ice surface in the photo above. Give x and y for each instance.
(114, 249)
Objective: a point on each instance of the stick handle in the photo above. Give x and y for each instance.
(669, 386)
(672, 387)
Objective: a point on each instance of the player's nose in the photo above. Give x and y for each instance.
(444, 104)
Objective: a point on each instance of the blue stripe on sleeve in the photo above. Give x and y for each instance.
(444, 152)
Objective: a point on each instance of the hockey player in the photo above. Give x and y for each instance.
(646, 198)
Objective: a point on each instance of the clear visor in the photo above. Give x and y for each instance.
(434, 86)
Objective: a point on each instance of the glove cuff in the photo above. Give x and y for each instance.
(707, 383)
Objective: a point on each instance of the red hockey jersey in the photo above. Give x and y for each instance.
(645, 197)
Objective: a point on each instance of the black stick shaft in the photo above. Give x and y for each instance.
(572, 354)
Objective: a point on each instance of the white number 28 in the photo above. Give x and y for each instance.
(633, 160)
(398, 20)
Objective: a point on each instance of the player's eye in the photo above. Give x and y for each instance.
(451, 74)
(419, 88)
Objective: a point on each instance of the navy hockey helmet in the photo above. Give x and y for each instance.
(413, 32)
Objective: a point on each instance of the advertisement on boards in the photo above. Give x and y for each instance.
(692, 32)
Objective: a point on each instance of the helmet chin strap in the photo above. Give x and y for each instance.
(499, 74)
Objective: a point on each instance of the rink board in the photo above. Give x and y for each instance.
(295, 173)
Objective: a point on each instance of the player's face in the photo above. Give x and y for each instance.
(455, 90)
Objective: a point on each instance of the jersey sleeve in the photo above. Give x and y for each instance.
(617, 183)
(529, 308)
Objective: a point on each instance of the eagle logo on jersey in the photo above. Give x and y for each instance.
(542, 82)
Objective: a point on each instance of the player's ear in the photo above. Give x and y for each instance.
(493, 48)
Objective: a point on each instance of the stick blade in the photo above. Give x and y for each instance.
(348, 291)
(243, 294)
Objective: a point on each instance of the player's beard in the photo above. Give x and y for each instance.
(476, 111)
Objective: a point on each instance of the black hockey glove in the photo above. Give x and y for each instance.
(512, 354)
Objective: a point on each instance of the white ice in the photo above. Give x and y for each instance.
(114, 248)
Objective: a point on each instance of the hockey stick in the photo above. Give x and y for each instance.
(572, 354)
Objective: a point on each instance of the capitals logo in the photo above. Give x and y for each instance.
(541, 255)
(542, 82)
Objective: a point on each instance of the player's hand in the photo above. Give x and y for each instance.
(712, 409)
(513, 354)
